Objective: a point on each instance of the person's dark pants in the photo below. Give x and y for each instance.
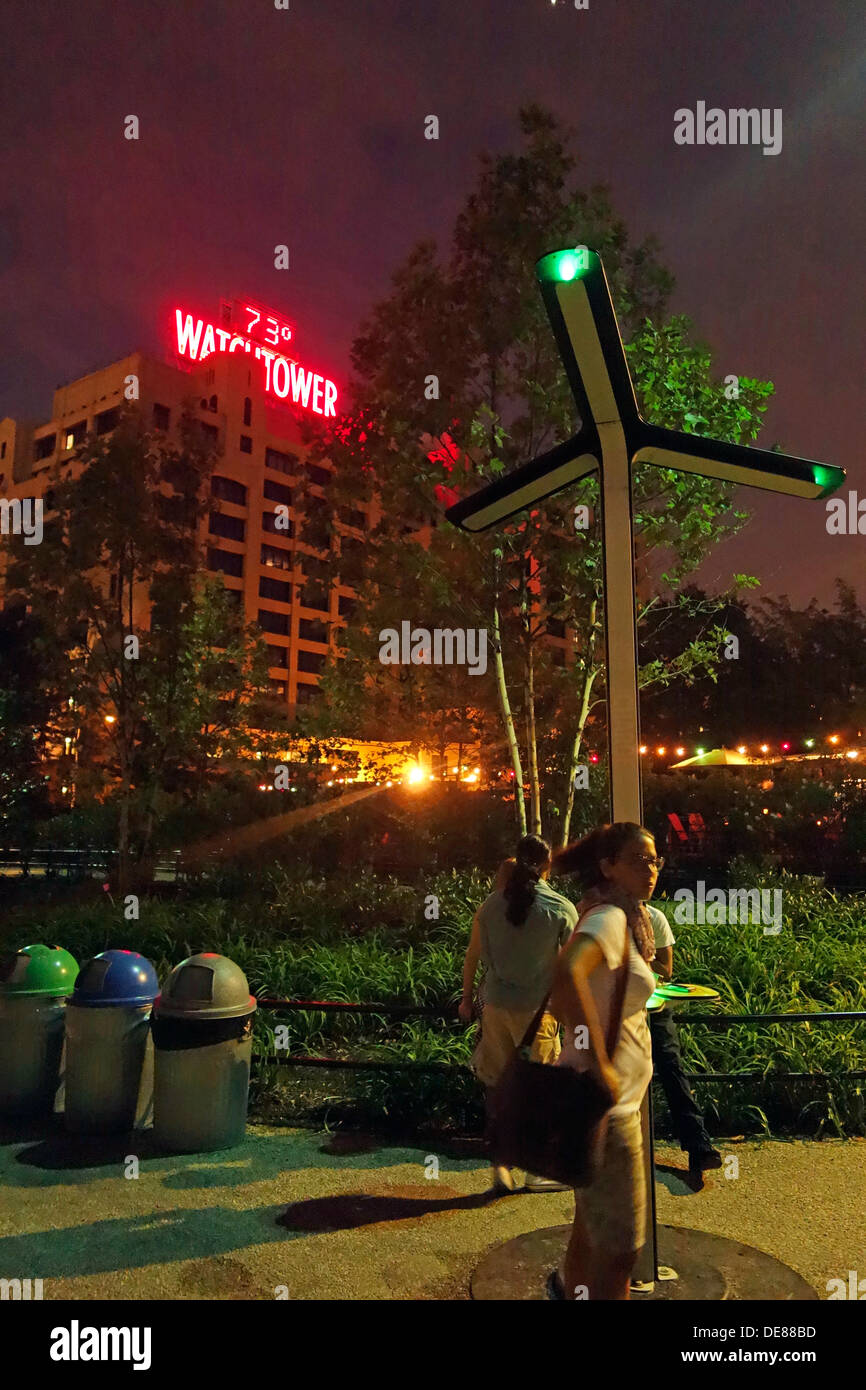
(668, 1068)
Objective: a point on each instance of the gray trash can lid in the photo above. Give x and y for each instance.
(205, 986)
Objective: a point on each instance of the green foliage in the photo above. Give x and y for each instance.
(149, 674)
(367, 940)
(475, 317)
(23, 708)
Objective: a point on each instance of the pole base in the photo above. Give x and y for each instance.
(708, 1268)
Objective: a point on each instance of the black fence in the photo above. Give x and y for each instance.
(692, 1019)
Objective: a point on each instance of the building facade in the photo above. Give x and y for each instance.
(250, 533)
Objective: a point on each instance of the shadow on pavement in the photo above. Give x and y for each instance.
(47, 1147)
(680, 1182)
(159, 1237)
(351, 1209)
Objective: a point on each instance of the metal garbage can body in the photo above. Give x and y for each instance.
(33, 990)
(202, 1035)
(109, 1050)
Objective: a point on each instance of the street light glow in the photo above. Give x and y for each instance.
(564, 265)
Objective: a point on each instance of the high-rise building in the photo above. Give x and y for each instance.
(248, 399)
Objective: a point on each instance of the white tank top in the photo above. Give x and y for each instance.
(632, 1060)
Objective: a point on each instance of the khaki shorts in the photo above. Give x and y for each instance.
(614, 1206)
(502, 1031)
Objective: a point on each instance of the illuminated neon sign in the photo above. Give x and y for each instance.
(259, 332)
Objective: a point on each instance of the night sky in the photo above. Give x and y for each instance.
(262, 126)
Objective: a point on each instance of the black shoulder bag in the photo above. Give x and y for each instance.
(547, 1119)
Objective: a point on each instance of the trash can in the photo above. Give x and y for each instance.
(202, 1035)
(34, 984)
(109, 1050)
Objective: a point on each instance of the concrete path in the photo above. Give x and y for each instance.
(280, 1217)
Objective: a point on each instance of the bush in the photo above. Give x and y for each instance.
(359, 937)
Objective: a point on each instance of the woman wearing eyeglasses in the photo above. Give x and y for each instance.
(618, 868)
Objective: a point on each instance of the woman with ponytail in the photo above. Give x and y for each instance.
(517, 933)
(618, 867)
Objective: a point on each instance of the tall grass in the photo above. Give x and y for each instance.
(363, 938)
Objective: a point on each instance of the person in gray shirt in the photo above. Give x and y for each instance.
(516, 933)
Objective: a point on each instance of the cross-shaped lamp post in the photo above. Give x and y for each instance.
(612, 438)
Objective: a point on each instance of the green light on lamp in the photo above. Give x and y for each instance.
(564, 265)
(827, 477)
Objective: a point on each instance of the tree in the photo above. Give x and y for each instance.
(204, 702)
(24, 710)
(127, 625)
(796, 674)
(461, 353)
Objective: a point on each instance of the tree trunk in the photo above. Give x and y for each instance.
(508, 721)
(146, 858)
(588, 681)
(534, 788)
(123, 827)
(590, 671)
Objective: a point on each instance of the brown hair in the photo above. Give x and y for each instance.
(519, 892)
(584, 857)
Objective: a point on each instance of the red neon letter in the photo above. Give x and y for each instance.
(208, 342)
(187, 337)
(269, 357)
(281, 362)
(301, 383)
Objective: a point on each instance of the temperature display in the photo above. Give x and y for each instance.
(260, 324)
(250, 328)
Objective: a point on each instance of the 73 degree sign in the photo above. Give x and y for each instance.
(197, 339)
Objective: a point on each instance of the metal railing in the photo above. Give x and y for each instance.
(426, 1011)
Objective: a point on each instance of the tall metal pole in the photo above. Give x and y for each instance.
(623, 718)
(614, 436)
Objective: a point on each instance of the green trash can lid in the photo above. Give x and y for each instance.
(37, 969)
(205, 986)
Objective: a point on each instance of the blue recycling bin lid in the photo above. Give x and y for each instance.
(115, 978)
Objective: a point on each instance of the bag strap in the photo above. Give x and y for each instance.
(615, 1021)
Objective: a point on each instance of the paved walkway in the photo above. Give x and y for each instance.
(280, 1211)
